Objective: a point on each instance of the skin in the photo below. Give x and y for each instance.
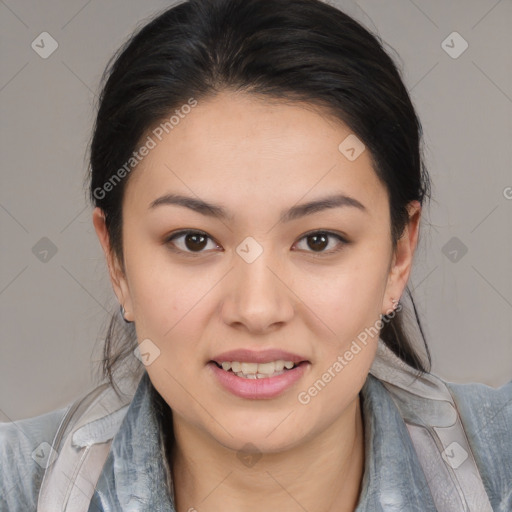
(257, 158)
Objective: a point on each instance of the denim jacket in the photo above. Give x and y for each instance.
(429, 445)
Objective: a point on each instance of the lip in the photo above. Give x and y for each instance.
(265, 388)
(260, 356)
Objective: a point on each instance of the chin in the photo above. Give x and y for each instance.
(268, 436)
(257, 445)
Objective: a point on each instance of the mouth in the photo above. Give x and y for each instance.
(255, 381)
(267, 370)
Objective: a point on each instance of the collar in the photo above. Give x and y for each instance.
(393, 479)
(133, 477)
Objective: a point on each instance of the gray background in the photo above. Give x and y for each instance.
(55, 307)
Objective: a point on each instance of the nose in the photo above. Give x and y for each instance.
(258, 298)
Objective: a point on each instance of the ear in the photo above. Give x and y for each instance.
(401, 264)
(117, 275)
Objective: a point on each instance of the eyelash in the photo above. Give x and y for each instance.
(169, 242)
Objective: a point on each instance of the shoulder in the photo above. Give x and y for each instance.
(486, 414)
(485, 410)
(25, 452)
(29, 448)
(493, 405)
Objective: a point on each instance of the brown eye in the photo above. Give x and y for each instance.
(317, 242)
(195, 242)
(189, 242)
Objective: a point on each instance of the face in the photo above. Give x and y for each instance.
(257, 271)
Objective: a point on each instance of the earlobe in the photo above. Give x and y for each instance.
(396, 305)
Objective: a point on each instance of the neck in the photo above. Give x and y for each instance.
(323, 474)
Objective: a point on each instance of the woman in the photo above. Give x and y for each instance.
(258, 185)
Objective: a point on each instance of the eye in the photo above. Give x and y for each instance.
(189, 242)
(317, 241)
(193, 242)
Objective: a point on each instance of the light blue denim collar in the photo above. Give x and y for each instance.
(133, 477)
(393, 479)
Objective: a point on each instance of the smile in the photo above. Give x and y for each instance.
(253, 382)
(256, 370)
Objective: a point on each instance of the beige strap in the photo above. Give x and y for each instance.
(429, 412)
(70, 479)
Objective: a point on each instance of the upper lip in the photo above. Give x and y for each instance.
(260, 356)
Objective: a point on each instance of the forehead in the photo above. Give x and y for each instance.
(237, 145)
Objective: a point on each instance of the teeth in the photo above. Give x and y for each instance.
(279, 365)
(257, 370)
(249, 368)
(257, 375)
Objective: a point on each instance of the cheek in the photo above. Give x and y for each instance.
(168, 300)
(170, 313)
(349, 296)
(171, 308)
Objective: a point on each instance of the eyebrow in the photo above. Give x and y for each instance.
(295, 212)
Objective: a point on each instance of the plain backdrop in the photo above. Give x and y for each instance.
(55, 304)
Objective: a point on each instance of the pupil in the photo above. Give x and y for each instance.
(193, 241)
(316, 245)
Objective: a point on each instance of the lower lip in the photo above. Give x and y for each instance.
(268, 387)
